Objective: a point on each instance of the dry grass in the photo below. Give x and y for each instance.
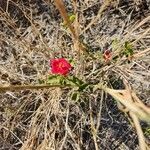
(33, 118)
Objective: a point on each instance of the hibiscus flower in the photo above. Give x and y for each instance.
(60, 66)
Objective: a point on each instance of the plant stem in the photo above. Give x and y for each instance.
(61, 7)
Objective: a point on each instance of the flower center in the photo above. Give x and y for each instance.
(61, 65)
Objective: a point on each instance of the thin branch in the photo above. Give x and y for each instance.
(140, 134)
(24, 87)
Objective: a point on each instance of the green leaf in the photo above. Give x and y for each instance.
(72, 17)
(74, 80)
(83, 86)
(62, 81)
(128, 49)
(55, 79)
(51, 77)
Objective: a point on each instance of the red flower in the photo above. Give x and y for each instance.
(107, 55)
(60, 66)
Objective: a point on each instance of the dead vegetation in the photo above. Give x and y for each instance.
(114, 114)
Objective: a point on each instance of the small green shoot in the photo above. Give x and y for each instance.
(71, 19)
(128, 49)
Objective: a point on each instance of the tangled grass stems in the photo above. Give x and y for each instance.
(46, 115)
(132, 104)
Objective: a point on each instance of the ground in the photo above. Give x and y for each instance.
(32, 33)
